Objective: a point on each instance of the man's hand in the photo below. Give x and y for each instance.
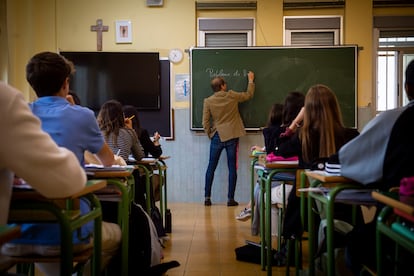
(250, 76)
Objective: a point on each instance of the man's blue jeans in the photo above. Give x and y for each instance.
(216, 147)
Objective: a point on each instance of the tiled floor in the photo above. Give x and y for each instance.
(203, 240)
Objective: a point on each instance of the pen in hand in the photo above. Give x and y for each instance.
(128, 121)
(118, 152)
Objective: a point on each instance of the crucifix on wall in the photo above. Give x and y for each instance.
(99, 28)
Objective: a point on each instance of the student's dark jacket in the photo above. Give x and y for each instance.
(271, 136)
(148, 145)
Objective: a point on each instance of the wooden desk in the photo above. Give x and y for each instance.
(337, 184)
(27, 203)
(387, 199)
(266, 174)
(124, 181)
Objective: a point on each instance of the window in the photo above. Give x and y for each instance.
(225, 32)
(395, 49)
(312, 31)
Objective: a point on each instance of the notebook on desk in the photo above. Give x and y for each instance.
(96, 167)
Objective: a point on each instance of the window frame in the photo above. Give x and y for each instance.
(322, 24)
(245, 25)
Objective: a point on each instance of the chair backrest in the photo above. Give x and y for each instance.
(298, 182)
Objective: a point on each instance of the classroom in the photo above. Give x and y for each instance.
(175, 27)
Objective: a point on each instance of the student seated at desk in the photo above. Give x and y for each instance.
(122, 139)
(280, 117)
(22, 131)
(71, 126)
(118, 131)
(380, 157)
(318, 131)
(151, 146)
(273, 125)
(274, 122)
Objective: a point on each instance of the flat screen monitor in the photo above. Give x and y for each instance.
(129, 77)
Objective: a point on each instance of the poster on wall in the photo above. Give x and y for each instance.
(182, 87)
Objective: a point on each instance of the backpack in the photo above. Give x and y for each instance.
(157, 221)
(145, 250)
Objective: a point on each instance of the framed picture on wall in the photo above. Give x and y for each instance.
(123, 31)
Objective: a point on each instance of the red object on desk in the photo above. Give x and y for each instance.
(406, 193)
(274, 158)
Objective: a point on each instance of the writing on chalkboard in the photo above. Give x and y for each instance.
(214, 72)
(278, 71)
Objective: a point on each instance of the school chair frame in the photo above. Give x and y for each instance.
(337, 185)
(125, 182)
(146, 168)
(384, 230)
(162, 171)
(25, 210)
(126, 187)
(266, 175)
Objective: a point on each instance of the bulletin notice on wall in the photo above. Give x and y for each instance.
(182, 87)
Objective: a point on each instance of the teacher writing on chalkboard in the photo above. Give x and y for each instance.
(223, 125)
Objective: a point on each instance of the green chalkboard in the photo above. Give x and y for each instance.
(278, 70)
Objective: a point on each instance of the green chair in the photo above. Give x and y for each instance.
(266, 175)
(28, 206)
(389, 226)
(125, 183)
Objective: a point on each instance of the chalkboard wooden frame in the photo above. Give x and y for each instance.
(278, 70)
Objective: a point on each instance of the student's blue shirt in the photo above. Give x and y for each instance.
(73, 127)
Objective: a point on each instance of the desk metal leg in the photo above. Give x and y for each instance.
(329, 237)
(97, 236)
(298, 240)
(147, 187)
(162, 196)
(123, 221)
(311, 236)
(162, 169)
(268, 221)
(262, 220)
(165, 186)
(252, 203)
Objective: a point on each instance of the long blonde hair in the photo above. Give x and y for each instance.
(322, 123)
